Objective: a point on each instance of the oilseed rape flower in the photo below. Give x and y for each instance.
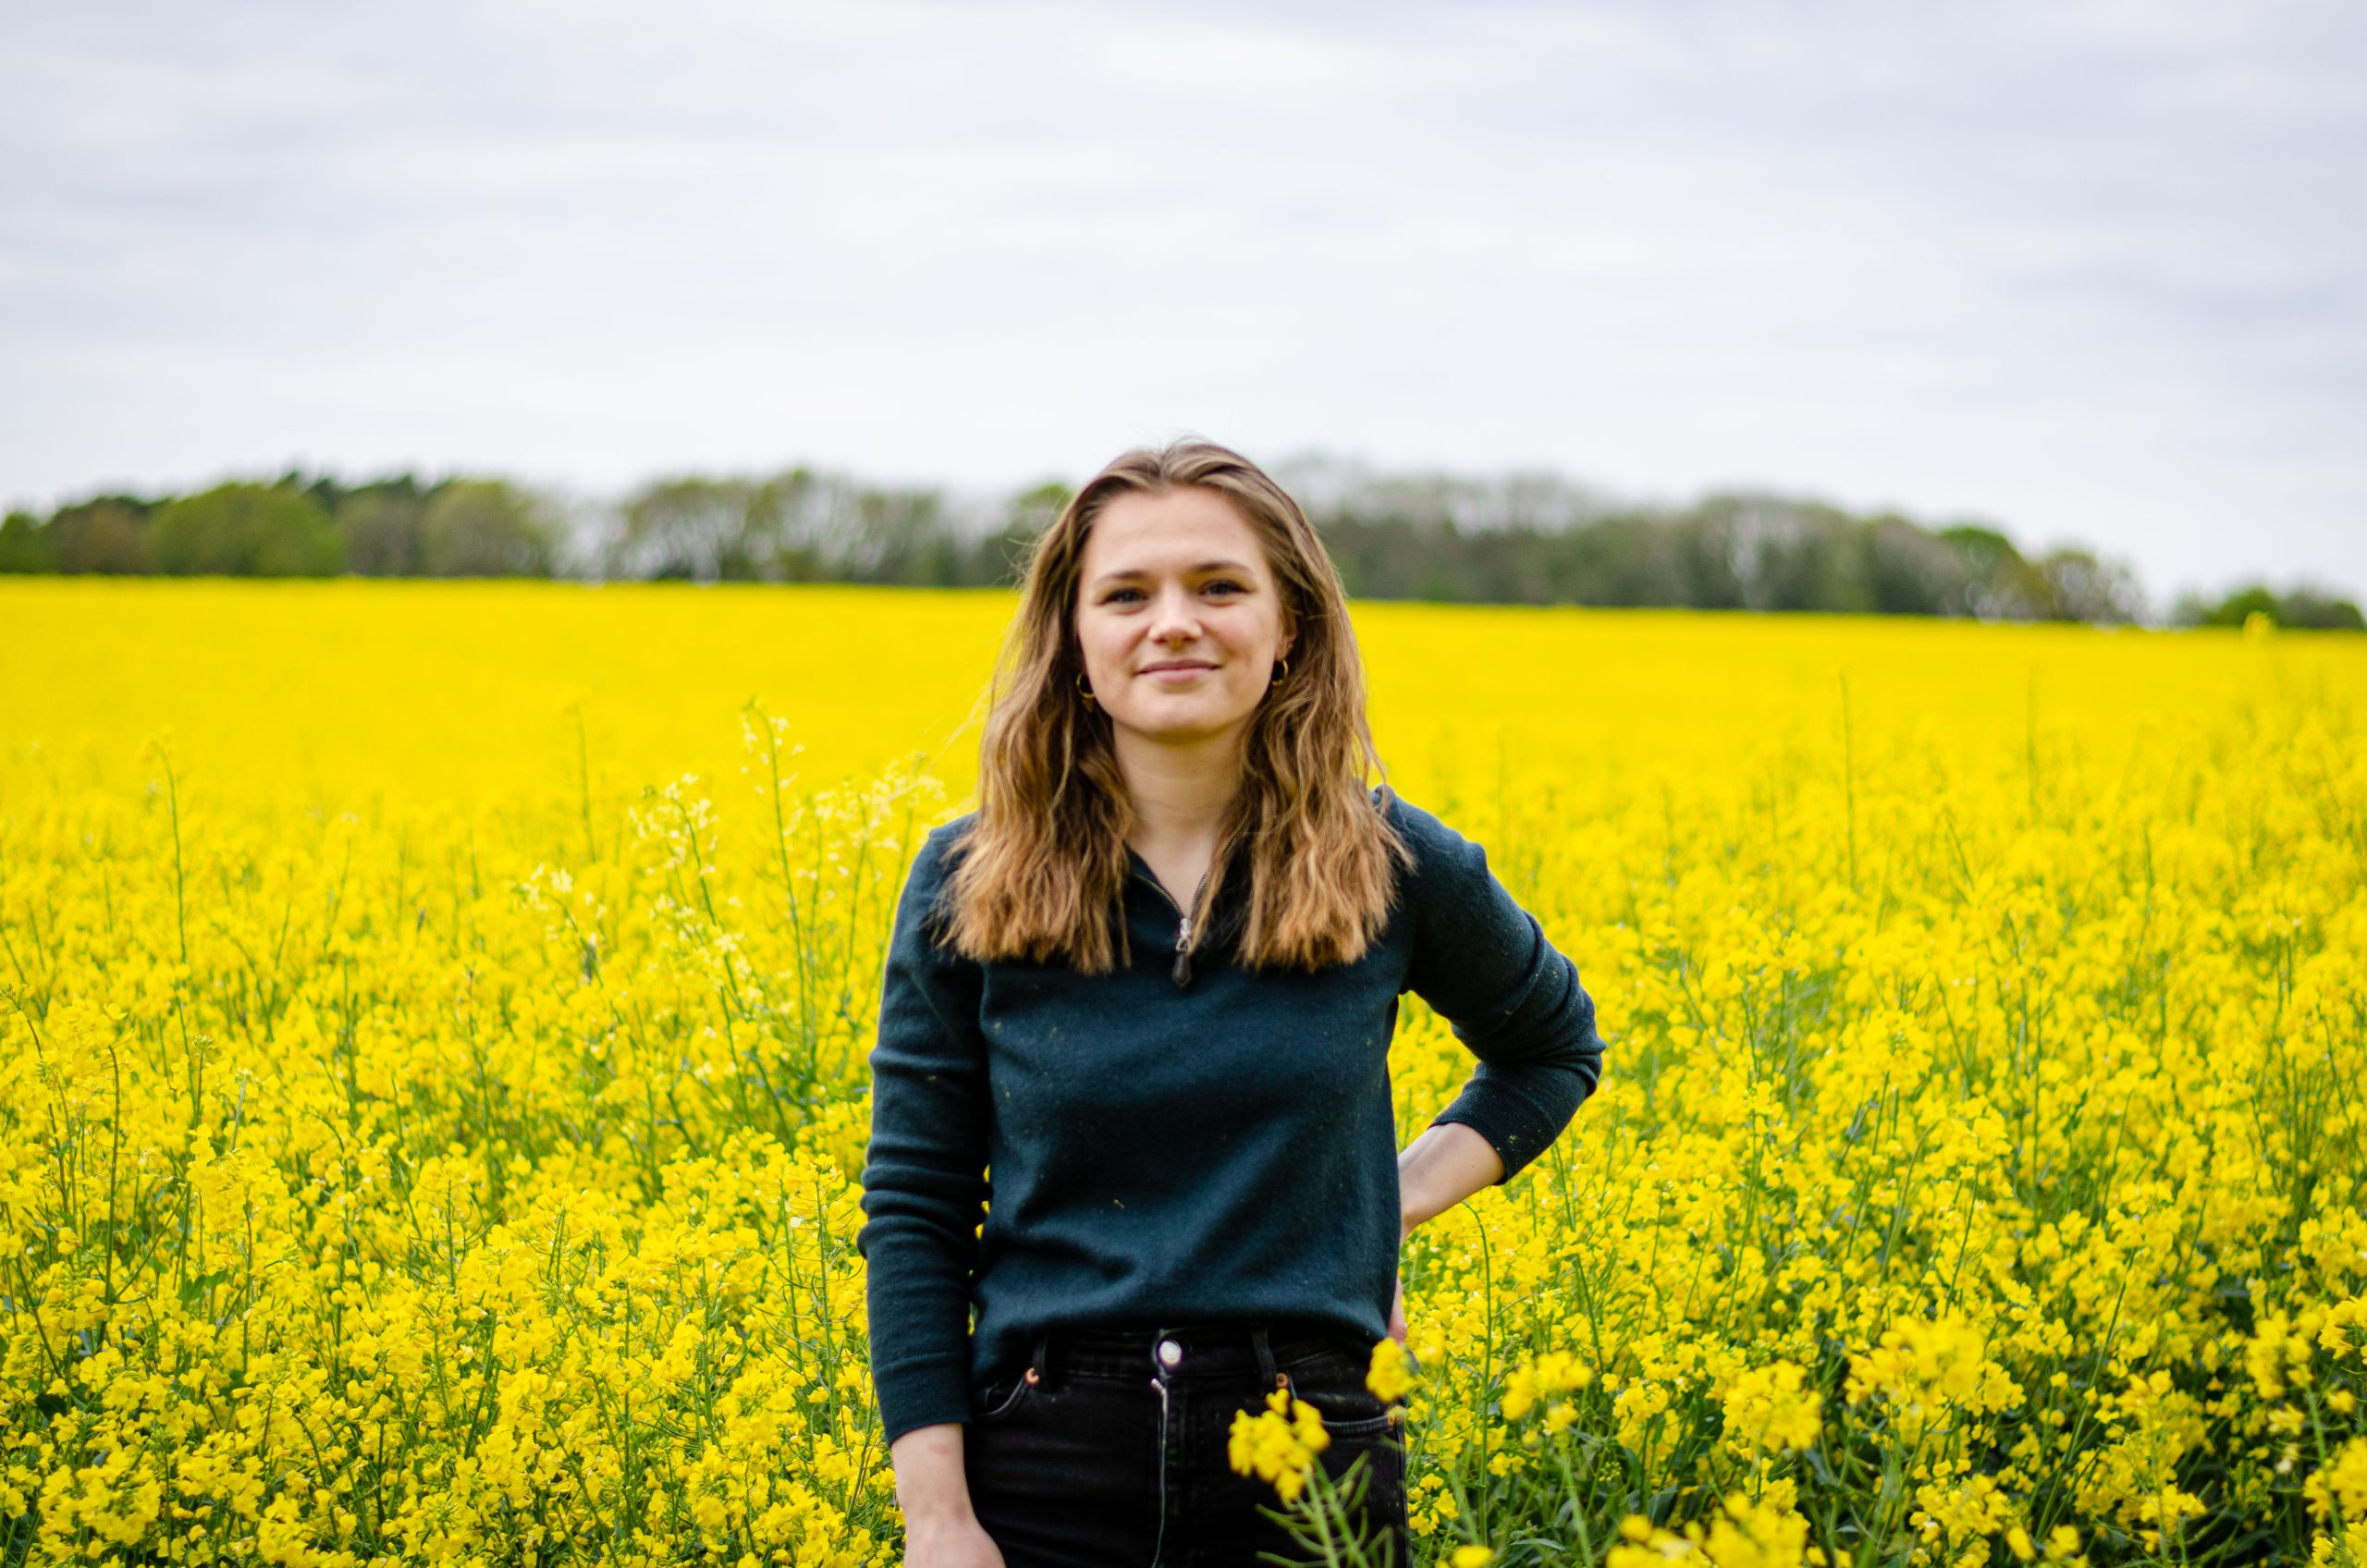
(2339, 1490)
(1923, 1367)
(440, 1137)
(1742, 1534)
(1390, 1376)
(1555, 1372)
(1277, 1444)
(1770, 1407)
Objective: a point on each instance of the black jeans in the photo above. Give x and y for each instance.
(1109, 1450)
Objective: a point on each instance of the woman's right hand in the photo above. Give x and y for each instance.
(932, 1488)
(949, 1543)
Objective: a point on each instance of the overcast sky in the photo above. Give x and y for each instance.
(2094, 273)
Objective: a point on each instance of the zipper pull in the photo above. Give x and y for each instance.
(1183, 951)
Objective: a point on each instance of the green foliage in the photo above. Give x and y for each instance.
(385, 524)
(717, 529)
(2308, 609)
(488, 528)
(2301, 608)
(2000, 585)
(1396, 540)
(245, 530)
(802, 526)
(106, 535)
(25, 546)
(1909, 572)
(1524, 538)
(2075, 585)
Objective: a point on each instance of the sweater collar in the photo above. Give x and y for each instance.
(1232, 909)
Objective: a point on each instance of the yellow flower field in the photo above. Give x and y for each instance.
(432, 1023)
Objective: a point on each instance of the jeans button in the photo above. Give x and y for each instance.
(1170, 1352)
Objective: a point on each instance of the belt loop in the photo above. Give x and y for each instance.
(1266, 1368)
(1039, 1360)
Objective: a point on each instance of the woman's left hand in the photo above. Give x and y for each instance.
(1397, 1313)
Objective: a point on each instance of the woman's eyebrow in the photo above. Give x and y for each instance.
(1139, 571)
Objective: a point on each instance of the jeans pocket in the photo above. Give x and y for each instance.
(996, 1402)
(1334, 1383)
(1360, 1427)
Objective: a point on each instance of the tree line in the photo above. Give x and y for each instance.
(1535, 539)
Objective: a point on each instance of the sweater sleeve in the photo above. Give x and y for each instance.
(923, 1183)
(1512, 999)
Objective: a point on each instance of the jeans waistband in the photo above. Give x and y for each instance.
(1198, 1349)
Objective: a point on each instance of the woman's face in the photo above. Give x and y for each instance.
(1178, 616)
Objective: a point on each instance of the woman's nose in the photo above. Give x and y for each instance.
(1175, 619)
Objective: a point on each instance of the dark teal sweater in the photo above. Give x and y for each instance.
(1174, 1142)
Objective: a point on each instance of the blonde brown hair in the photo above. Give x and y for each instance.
(1040, 873)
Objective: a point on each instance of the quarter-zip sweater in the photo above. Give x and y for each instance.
(1185, 1138)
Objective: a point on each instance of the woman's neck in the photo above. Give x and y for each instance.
(1178, 794)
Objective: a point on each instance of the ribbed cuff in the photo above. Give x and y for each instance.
(919, 1396)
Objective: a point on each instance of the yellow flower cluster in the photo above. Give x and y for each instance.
(1545, 1377)
(1392, 1373)
(1772, 1407)
(1279, 1443)
(1742, 1534)
(433, 1028)
(1925, 1368)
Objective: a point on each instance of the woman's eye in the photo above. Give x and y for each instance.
(1127, 596)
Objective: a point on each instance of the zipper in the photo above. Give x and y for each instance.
(1182, 973)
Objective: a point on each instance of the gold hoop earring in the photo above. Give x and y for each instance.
(1281, 670)
(1087, 690)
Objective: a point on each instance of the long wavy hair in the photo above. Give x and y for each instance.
(1041, 871)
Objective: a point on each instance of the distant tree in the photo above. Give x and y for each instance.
(794, 523)
(245, 530)
(1632, 559)
(997, 559)
(698, 529)
(1445, 538)
(1708, 547)
(902, 537)
(2315, 609)
(25, 546)
(1909, 572)
(1377, 557)
(2001, 584)
(2081, 587)
(2304, 609)
(1511, 565)
(386, 530)
(106, 535)
(488, 528)
(796, 526)
(2241, 606)
(1792, 556)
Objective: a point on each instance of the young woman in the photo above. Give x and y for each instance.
(1149, 986)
